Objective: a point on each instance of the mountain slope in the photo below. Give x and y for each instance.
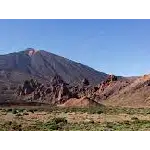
(44, 65)
(128, 93)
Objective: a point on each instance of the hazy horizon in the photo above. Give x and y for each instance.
(118, 47)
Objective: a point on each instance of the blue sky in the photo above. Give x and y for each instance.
(121, 47)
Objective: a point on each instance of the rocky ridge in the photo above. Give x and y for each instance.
(59, 92)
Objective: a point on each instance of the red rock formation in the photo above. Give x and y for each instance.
(58, 92)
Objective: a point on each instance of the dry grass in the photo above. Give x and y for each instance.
(75, 119)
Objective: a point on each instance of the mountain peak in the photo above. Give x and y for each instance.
(44, 65)
(31, 51)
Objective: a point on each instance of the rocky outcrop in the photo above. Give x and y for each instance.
(58, 92)
(85, 82)
(57, 80)
(107, 82)
(28, 87)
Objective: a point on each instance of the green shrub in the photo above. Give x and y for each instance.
(134, 118)
(21, 110)
(59, 120)
(109, 124)
(31, 110)
(25, 113)
(14, 111)
(16, 127)
(18, 114)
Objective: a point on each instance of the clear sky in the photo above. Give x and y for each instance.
(121, 47)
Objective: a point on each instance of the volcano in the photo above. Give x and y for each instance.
(43, 65)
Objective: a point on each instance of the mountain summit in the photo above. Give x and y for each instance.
(44, 65)
(31, 51)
